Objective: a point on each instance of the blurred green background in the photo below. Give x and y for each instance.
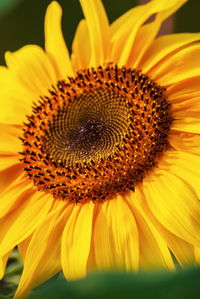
(21, 21)
(113, 285)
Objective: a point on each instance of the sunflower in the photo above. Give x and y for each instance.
(99, 151)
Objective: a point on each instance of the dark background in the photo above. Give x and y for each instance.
(21, 21)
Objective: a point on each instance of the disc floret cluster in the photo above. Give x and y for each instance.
(96, 135)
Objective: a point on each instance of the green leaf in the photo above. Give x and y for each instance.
(182, 284)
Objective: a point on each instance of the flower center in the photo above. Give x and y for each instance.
(88, 128)
(96, 135)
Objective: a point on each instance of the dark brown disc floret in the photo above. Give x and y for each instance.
(96, 135)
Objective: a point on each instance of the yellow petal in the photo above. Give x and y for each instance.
(81, 51)
(117, 24)
(184, 90)
(9, 141)
(179, 66)
(148, 32)
(99, 31)
(14, 195)
(181, 164)
(116, 244)
(197, 254)
(174, 203)
(14, 99)
(9, 174)
(182, 250)
(165, 45)
(187, 115)
(23, 246)
(153, 249)
(143, 39)
(42, 259)
(33, 68)
(13, 110)
(55, 43)
(3, 263)
(4, 75)
(185, 142)
(125, 29)
(76, 241)
(7, 160)
(23, 220)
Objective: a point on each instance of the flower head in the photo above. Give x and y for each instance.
(97, 149)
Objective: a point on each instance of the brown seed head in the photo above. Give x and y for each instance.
(96, 135)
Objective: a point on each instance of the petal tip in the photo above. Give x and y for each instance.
(53, 8)
(54, 5)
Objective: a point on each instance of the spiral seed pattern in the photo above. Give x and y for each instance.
(87, 128)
